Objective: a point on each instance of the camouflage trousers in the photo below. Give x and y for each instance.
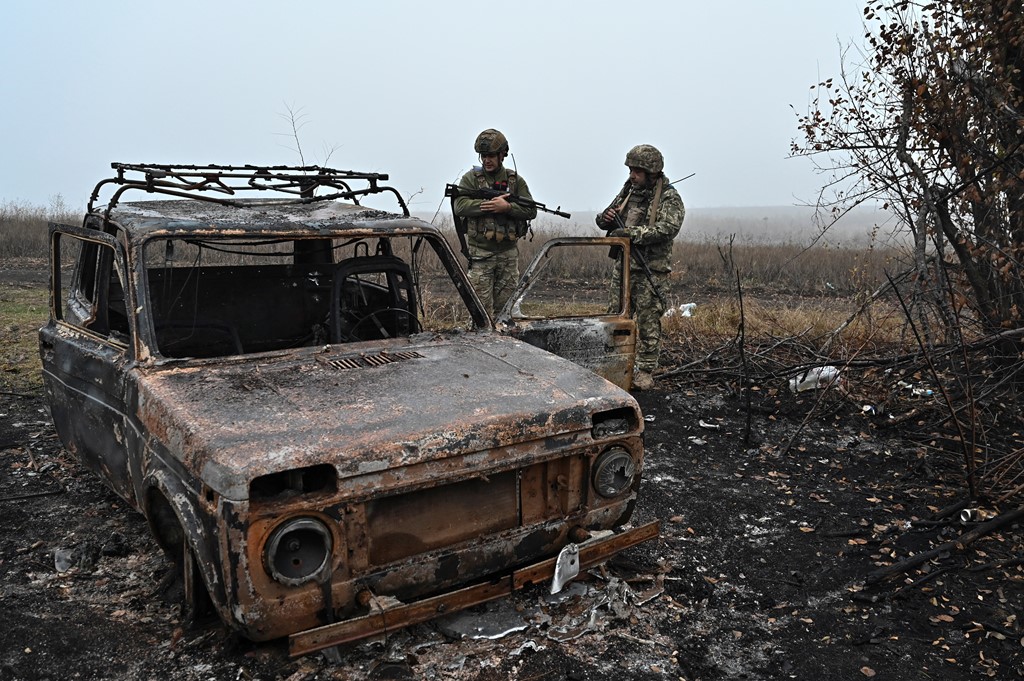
(494, 275)
(647, 310)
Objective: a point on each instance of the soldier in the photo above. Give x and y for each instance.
(650, 212)
(493, 226)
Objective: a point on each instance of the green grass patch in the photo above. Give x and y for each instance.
(23, 310)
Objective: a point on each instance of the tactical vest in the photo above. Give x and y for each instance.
(496, 227)
(642, 205)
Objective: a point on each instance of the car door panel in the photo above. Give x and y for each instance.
(573, 301)
(84, 359)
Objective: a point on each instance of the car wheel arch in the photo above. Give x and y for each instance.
(176, 525)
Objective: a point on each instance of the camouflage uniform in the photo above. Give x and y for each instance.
(652, 238)
(492, 237)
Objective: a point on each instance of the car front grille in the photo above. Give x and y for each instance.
(407, 524)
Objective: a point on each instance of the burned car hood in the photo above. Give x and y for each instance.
(407, 402)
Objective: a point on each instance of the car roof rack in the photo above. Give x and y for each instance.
(221, 184)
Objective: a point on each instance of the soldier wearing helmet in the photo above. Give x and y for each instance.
(650, 212)
(493, 226)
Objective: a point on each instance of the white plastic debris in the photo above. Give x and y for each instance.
(527, 645)
(916, 391)
(814, 378)
(683, 310)
(63, 559)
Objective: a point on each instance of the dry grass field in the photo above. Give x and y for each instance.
(786, 289)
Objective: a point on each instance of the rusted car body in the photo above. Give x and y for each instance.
(306, 400)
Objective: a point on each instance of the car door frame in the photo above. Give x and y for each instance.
(604, 344)
(85, 369)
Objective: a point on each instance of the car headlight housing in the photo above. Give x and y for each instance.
(298, 551)
(614, 472)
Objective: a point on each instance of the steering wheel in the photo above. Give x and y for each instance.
(415, 326)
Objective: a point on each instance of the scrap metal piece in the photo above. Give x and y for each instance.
(973, 515)
(567, 566)
(495, 622)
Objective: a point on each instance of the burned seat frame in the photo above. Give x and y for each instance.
(371, 308)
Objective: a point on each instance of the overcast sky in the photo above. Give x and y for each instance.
(404, 87)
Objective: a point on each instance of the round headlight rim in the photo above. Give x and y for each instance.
(606, 459)
(285, 527)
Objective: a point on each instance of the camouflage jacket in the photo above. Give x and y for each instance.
(494, 231)
(653, 240)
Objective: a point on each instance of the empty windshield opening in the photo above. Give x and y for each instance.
(219, 297)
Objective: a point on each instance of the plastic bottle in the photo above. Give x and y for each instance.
(814, 378)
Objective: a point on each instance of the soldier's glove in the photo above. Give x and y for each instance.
(619, 231)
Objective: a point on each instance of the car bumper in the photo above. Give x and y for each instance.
(401, 615)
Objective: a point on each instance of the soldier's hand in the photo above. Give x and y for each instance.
(619, 231)
(496, 205)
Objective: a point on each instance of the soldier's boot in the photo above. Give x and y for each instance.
(643, 380)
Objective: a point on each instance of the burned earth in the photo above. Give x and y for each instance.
(802, 536)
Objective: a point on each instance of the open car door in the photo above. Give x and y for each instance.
(573, 301)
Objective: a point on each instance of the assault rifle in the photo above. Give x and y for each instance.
(454, 191)
(640, 260)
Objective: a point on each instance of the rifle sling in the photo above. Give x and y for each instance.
(652, 214)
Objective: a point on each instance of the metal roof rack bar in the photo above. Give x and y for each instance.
(201, 182)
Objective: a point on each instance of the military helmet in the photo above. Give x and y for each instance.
(491, 141)
(645, 157)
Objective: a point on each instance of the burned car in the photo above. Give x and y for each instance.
(305, 399)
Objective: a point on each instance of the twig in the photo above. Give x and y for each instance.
(695, 363)
(997, 564)
(902, 593)
(13, 394)
(1011, 493)
(33, 495)
(879, 292)
(741, 335)
(952, 509)
(958, 544)
(636, 639)
(966, 443)
(902, 418)
(999, 630)
(845, 534)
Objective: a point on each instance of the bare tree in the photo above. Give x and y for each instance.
(297, 119)
(928, 119)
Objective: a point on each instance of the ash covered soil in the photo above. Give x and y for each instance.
(761, 570)
(770, 565)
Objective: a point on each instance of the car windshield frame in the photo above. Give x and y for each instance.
(270, 258)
